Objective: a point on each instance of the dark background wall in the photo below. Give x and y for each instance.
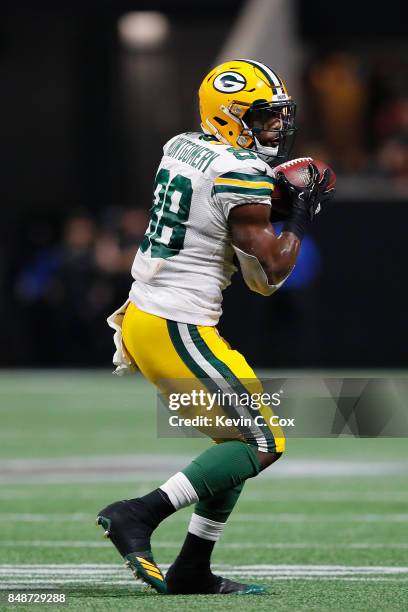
(352, 315)
(82, 126)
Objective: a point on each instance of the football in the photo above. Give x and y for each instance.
(297, 173)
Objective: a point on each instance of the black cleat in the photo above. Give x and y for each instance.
(225, 586)
(197, 584)
(126, 525)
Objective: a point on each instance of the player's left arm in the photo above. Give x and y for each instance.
(267, 259)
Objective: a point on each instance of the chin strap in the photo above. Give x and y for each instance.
(268, 154)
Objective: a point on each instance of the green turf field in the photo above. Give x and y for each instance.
(326, 528)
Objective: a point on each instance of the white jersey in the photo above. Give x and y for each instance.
(186, 258)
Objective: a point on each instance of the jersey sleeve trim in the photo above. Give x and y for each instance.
(243, 190)
(250, 184)
(253, 178)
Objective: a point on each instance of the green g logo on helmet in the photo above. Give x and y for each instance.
(229, 82)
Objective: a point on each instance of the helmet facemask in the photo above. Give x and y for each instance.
(275, 120)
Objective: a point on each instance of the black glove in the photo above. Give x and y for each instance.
(306, 201)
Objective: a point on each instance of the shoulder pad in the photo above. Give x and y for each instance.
(233, 159)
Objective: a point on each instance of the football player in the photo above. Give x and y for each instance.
(211, 200)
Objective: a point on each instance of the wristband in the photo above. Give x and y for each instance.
(297, 222)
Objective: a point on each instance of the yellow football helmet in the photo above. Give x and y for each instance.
(235, 95)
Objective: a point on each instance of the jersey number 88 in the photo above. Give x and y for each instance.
(169, 213)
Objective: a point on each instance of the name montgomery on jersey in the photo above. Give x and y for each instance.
(195, 155)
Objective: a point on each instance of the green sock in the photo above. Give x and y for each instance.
(219, 507)
(222, 467)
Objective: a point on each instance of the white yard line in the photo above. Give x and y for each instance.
(344, 518)
(99, 574)
(223, 545)
(385, 496)
(96, 568)
(258, 517)
(19, 576)
(49, 584)
(152, 467)
(29, 517)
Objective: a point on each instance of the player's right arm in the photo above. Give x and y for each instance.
(265, 258)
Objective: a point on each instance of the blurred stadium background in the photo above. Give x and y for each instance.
(90, 92)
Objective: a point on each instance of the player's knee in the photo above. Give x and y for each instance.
(266, 459)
